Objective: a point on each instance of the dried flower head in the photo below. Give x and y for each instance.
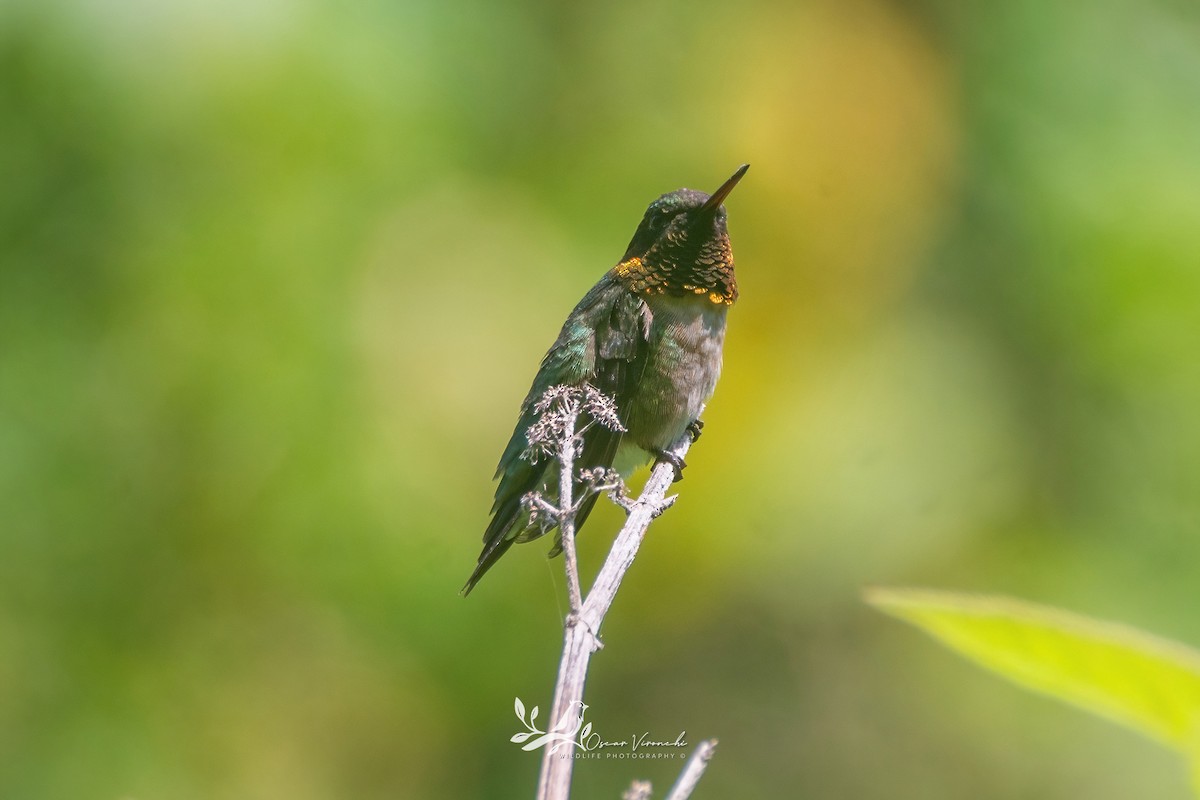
(606, 480)
(601, 408)
(557, 426)
(543, 515)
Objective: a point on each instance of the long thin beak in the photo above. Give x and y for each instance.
(718, 197)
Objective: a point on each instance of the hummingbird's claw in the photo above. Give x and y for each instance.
(675, 461)
(694, 428)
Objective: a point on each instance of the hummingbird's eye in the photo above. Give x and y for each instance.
(659, 221)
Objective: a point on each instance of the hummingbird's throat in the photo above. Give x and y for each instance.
(716, 284)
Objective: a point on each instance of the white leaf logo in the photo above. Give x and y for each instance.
(561, 735)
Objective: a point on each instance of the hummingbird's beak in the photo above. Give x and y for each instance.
(714, 202)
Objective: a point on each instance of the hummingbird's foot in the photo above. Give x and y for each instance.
(675, 461)
(694, 429)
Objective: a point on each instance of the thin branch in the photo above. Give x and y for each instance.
(566, 516)
(694, 770)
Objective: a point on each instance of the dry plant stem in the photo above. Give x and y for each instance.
(582, 628)
(692, 773)
(566, 523)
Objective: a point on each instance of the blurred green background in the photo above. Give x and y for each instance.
(275, 276)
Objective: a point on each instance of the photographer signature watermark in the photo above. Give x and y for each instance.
(577, 739)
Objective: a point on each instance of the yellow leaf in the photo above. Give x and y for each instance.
(1121, 673)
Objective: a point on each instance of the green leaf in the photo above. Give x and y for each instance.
(1123, 674)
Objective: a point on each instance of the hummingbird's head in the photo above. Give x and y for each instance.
(682, 247)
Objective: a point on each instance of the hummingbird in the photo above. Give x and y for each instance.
(649, 335)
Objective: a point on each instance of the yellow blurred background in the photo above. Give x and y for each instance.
(275, 277)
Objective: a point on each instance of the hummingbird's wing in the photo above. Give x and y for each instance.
(603, 342)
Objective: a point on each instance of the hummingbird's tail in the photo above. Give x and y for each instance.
(491, 554)
(501, 532)
(502, 536)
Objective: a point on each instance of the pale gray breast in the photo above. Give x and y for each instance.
(687, 335)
